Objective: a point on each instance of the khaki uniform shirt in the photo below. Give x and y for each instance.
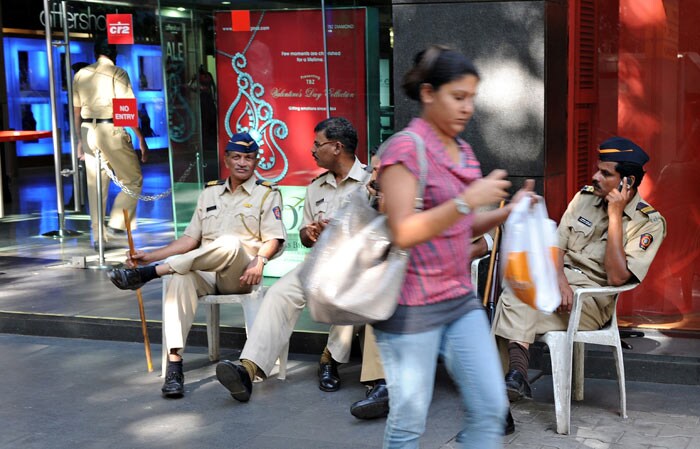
(583, 235)
(324, 196)
(96, 85)
(251, 212)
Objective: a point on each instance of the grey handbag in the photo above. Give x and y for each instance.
(354, 274)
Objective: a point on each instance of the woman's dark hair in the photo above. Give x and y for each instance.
(340, 129)
(630, 169)
(436, 65)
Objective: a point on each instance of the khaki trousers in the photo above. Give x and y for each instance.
(215, 268)
(274, 324)
(516, 321)
(372, 368)
(117, 150)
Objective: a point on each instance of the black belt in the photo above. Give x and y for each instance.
(96, 120)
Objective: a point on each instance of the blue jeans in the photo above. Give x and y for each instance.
(471, 358)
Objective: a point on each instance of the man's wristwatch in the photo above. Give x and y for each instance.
(462, 206)
(264, 259)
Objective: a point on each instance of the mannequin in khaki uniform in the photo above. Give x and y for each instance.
(235, 229)
(607, 236)
(334, 149)
(94, 87)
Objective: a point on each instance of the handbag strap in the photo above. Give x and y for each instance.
(422, 163)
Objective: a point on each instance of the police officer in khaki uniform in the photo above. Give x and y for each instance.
(94, 87)
(608, 236)
(235, 230)
(334, 149)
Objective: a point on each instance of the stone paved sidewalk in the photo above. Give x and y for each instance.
(63, 393)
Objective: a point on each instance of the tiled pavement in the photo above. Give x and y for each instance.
(67, 393)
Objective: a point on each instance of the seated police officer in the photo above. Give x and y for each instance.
(235, 230)
(333, 149)
(608, 236)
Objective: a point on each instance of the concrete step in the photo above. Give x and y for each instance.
(667, 358)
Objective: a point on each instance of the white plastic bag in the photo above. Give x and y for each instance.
(529, 255)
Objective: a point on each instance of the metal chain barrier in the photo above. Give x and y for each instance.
(128, 191)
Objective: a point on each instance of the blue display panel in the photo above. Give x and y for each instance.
(27, 79)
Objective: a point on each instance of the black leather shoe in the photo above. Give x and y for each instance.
(376, 405)
(236, 380)
(329, 379)
(510, 424)
(517, 386)
(174, 385)
(126, 278)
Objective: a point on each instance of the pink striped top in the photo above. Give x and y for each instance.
(438, 269)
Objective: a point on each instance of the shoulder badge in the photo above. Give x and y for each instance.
(652, 214)
(268, 184)
(645, 208)
(587, 189)
(320, 176)
(216, 182)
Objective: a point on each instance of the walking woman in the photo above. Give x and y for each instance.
(438, 311)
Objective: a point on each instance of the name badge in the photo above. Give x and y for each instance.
(585, 221)
(211, 208)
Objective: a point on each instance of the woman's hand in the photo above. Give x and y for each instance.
(487, 190)
(527, 190)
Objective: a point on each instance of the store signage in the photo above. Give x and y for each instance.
(79, 20)
(276, 82)
(125, 112)
(120, 29)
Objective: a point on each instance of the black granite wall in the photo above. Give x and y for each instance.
(519, 48)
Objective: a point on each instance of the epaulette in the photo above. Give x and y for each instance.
(587, 189)
(268, 184)
(216, 182)
(320, 176)
(645, 208)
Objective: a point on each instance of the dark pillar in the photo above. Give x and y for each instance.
(519, 48)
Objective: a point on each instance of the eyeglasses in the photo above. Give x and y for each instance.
(319, 145)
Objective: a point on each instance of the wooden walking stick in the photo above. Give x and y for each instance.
(492, 279)
(144, 329)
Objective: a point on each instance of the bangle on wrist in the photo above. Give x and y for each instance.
(264, 259)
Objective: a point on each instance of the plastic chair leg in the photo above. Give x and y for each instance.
(561, 378)
(213, 334)
(621, 380)
(578, 370)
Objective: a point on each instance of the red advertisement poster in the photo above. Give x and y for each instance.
(272, 82)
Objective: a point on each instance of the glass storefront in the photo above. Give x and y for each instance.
(202, 70)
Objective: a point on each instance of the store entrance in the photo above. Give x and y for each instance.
(47, 44)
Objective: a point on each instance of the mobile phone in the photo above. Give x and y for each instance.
(619, 187)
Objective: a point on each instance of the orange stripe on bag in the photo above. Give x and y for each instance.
(554, 254)
(517, 273)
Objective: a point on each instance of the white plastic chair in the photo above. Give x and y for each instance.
(250, 303)
(570, 344)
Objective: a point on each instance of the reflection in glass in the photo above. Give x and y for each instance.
(150, 70)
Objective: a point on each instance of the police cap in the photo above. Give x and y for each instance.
(242, 143)
(619, 149)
